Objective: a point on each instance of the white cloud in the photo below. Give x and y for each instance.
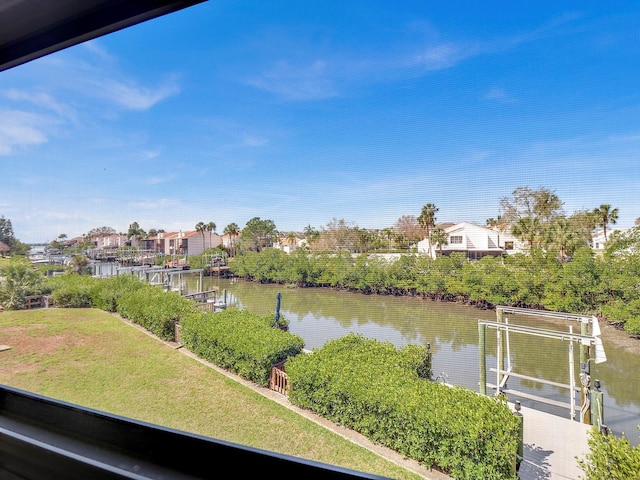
(297, 83)
(151, 154)
(445, 55)
(20, 129)
(40, 99)
(134, 97)
(499, 95)
(160, 203)
(158, 180)
(253, 141)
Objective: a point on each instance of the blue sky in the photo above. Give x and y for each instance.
(304, 112)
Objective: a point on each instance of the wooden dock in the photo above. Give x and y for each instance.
(551, 445)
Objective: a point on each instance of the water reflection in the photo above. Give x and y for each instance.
(319, 315)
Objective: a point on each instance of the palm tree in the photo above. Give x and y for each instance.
(232, 230)
(210, 227)
(604, 216)
(527, 229)
(563, 237)
(201, 227)
(438, 237)
(427, 219)
(494, 222)
(136, 232)
(310, 234)
(388, 232)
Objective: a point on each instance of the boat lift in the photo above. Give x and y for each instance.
(169, 278)
(591, 401)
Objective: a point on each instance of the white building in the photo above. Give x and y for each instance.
(475, 241)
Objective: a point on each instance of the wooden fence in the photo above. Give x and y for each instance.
(279, 380)
(38, 301)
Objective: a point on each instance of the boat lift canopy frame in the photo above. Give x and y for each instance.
(583, 339)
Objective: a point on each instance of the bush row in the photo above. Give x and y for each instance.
(377, 390)
(605, 286)
(243, 342)
(155, 310)
(363, 384)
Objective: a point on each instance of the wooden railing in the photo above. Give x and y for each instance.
(38, 301)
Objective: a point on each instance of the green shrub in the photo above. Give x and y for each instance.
(106, 292)
(71, 291)
(375, 389)
(18, 279)
(155, 310)
(610, 458)
(241, 341)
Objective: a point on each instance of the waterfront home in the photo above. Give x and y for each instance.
(289, 244)
(189, 242)
(475, 241)
(598, 243)
(110, 242)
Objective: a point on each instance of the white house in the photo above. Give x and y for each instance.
(598, 242)
(112, 241)
(475, 241)
(289, 244)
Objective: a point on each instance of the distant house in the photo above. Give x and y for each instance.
(475, 241)
(4, 248)
(289, 244)
(598, 243)
(189, 243)
(229, 241)
(113, 241)
(156, 244)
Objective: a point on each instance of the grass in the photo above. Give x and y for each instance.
(92, 358)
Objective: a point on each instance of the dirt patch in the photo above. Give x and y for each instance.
(621, 339)
(21, 341)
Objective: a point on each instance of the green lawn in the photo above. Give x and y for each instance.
(92, 358)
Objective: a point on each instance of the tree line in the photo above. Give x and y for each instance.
(605, 286)
(534, 216)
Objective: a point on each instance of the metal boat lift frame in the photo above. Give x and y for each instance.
(583, 338)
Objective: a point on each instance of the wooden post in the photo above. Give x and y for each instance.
(584, 349)
(520, 447)
(597, 407)
(482, 333)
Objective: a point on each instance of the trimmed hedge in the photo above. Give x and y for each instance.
(363, 384)
(155, 310)
(372, 388)
(241, 341)
(71, 291)
(107, 292)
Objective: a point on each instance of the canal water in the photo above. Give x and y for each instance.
(319, 315)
